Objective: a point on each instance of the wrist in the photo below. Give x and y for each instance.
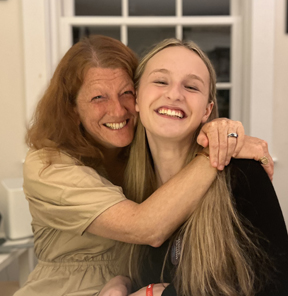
(204, 154)
(149, 290)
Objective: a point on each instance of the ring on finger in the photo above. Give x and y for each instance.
(232, 135)
(264, 160)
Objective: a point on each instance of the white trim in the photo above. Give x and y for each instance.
(124, 34)
(125, 8)
(262, 70)
(236, 71)
(178, 7)
(37, 54)
(53, 33)
(148, 21)
(223, 85)
(65, 33)
(68, 7)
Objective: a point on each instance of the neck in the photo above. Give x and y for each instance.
(169, 156)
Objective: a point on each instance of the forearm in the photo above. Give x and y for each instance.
(119, 285)
(154, 220)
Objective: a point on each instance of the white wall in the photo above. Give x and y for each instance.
(12, 106)
(12, 110)
(280, 106)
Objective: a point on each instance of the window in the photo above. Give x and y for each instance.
(140, 24)
(244, 29)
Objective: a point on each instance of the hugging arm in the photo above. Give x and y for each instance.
(222, 147)
(143, 223)
(154, 220)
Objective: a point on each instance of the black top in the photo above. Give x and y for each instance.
(257, 201)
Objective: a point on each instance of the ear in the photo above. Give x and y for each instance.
(136, 103)
(208, 111)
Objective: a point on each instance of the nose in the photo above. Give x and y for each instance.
(175, 92)
(116, 108)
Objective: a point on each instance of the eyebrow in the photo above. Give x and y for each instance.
(193, 76)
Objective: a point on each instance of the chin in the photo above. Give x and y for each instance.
(121, 144)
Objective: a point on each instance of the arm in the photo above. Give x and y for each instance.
(167, 207)
(256, 200)
(157, 290)
(117, 286)
(154, 220)
(255, 148)
(222, 148)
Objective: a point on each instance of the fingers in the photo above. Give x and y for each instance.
(222, 148)
(269, 167)
(235, 144)
(256, 149)
(202, 139)
(224, 142)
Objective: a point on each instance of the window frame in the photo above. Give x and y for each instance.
(252, 41)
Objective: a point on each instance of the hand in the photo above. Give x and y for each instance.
(255, 148)
(221, 148)
(117, 286)
(157, 290)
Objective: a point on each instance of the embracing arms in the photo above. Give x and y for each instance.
(154, 220)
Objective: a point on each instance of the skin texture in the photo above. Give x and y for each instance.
(107, 97)
(170, 87)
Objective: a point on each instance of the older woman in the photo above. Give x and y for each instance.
(76, 161)
(235, 242)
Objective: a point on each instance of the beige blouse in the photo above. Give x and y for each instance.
(64, 198)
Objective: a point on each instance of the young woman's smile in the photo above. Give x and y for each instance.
(172, 98)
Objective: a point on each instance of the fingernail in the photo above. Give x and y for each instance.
(226, 163)
(221, 167)
(215, 164)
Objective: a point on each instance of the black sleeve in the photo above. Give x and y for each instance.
(256, 200)
(169, 291)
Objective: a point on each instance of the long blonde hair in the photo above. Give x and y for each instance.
(217, 254)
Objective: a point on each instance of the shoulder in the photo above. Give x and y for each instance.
(56, 169)
(248, 177)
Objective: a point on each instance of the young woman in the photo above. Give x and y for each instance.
(236, 237)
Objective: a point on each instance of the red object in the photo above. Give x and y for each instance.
(149, 290)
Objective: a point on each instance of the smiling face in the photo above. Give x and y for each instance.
(106, 107)
(173, 93)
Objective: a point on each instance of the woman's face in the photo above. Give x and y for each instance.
(106, 106)
(172, 98)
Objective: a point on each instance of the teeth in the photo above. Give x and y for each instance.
(171, 113)
(116, 126)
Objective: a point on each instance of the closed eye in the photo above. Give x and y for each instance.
(97, 98)
(160, 82)
(192, 88)
(129, 92)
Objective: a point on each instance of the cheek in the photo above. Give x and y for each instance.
(131, 105)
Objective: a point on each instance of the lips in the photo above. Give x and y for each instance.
(178, 113)
(116, 125)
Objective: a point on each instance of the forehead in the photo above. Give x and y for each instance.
(178, 59)
(98, 75)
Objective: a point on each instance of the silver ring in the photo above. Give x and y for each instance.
(232, 135)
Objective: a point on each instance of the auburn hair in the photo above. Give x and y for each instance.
(54, 124)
